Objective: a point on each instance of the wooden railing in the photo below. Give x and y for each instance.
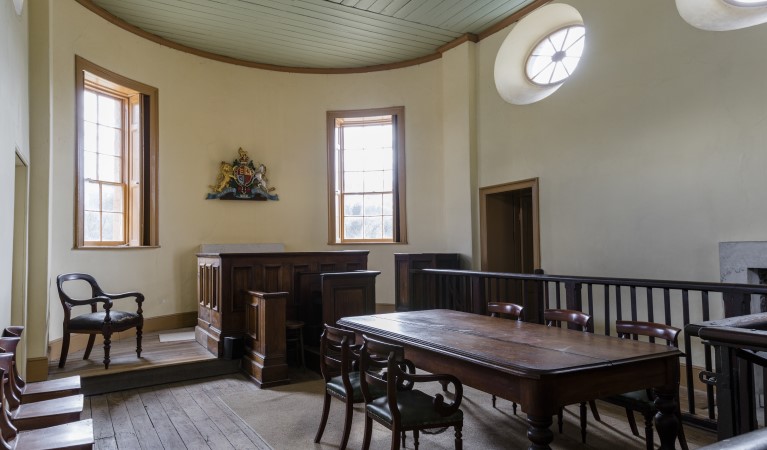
(675, 303)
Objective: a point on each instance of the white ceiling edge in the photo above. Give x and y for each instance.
(509, 73)
(718, 15)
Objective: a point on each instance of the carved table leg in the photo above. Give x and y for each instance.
(539, 433)
(666, 420)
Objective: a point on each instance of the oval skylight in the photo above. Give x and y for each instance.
(556, 56)
(747, 2)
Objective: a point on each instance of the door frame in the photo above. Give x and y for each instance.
(484, 192)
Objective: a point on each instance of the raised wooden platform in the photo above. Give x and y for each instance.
(160, 362)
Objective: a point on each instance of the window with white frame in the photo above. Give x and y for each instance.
(366, 173)
(116, 160)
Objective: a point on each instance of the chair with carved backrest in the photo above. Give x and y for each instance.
(508, 311)
(584, 323)
(338, 363)
(643, 400)
(383, 366)
(97, 322)
(69, 435)
(40, 390)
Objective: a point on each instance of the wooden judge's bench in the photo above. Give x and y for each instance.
(247, 297)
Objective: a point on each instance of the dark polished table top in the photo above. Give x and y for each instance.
(524, 349)
(541, 368)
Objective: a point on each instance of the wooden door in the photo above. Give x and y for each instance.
(510, 238)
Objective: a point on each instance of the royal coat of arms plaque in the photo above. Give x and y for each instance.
(242, 180)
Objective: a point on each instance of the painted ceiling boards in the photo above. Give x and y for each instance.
(318, 34)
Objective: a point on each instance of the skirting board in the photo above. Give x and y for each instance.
(170, 322)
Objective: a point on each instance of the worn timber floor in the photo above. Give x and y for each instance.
(185, 415)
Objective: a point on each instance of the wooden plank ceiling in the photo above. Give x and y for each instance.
(314, 33)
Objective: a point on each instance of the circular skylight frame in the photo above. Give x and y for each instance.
(747, 3)
(560, 71)
(511, 82)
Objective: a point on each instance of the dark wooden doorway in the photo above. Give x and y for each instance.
(509, 227)
(510, 240)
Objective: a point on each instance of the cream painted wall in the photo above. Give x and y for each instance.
(14, 134)
(207, 110)
(459, 66)
(650, 155)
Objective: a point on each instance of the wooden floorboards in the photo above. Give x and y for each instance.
(185, 415)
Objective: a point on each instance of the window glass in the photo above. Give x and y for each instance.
(556, 56)
(117, 142)
(366, 160)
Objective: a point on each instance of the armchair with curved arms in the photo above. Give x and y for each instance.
(103, 322)
(403, 408)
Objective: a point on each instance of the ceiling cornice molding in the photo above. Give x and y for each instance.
(468, 37)
(512, 19)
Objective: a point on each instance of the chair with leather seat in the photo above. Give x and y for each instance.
(403, 408)
(583, 322)
(511, 311)
(70, 435)
(37, 391)
(338, 364)
(643, 400)
(96, 322)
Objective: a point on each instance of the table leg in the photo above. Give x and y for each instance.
(666, 421)
(539, 433)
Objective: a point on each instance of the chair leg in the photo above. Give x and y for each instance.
(89, 347)
(415, 439)
(494, 401)
(594, 412)
(404, 438)
(107, 346)
(458, 436)
(632, 422)
(324, 419)
(64, 350)
(347, 424)
(559, 419)
(680, 434)
(139, 330)
(514, 408)
(584, 418)
(395, 439)
(368, 432)
(648, 431)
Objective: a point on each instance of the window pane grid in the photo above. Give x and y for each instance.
(104, 212)
(365, 148)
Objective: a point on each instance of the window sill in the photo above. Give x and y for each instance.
(114, 247)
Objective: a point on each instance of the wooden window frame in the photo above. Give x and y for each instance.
(145, 215)
(335, 221)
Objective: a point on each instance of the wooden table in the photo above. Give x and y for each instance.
(541, 368)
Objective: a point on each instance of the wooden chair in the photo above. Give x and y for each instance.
(76, 435)
(403, 408)
(643, 401)
(582, 322)
(509, 311)
(41, 390)
(96, 322)
(41, 414)
(338, 360)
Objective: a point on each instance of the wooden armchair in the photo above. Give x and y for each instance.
(509, 311)
(383, 366)
(97, 322)
(41, 390)
(643, 401)
(582, 322)
(339, 359)
(77, 435)
(38, 414)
